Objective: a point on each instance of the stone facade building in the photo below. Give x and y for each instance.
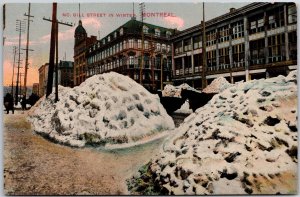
(122, 51)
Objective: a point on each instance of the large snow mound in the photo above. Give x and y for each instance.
(105, 109)
(243, 141)
(217, 85)
(175, 91)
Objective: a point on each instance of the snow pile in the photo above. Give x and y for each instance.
(243, 141)
(175, 91)
(217, 85)
(105, 109)
(185, 108)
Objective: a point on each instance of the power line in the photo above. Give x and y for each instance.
(20, 28)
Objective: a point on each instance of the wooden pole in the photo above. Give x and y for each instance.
(52, 50)
(203, 51)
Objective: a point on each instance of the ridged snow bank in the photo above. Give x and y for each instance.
(108, 108)
(243, 141)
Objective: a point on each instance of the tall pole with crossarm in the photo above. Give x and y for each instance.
(27, 49)
(53, 48)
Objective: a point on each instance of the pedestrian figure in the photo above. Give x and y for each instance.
(9, 103)
(23, 102)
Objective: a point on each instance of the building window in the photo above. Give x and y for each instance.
(238, 55)
(158, 47)
(108, 39)
(276, 47)
(293, 45)
(187, 45)
(163, 47)
(257, 24)
(121, 31)
(115, 34)
(196, 41)
(157, 32)
(211, 38)
(121, 46)
(211, 58)
(292, 14)
(223, 34)
(275, 18)
(124, 44)
(130, 41)
(139, 43)
(168, 34)
(257, 52)
(146, 44)
(238, 30)
(131, 60)
(168, 48)
(145, 29)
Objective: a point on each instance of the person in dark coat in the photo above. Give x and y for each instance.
(23, 102)
(9, 103)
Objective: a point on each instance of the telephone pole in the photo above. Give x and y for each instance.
(27, 49)
(20, 29)
(142, 9)
(53, 48)
(203, 51)
(12, 80)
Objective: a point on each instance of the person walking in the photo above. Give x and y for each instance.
(23, 102)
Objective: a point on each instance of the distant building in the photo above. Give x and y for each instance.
(66, 74)
(121, 51)
(35, 88)
(258, 40)
(81, 43)
(43, 78)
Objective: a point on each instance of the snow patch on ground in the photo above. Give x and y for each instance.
(105, 109)
(243, 141)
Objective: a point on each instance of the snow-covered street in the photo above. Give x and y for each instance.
(36, 166)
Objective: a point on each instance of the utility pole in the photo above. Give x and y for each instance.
(20, 29)
(161, 72)
(53, 48)
(142, 9)
(203, 51)
(12, 80)
(27, 49)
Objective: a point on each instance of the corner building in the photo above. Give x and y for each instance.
(121, 51)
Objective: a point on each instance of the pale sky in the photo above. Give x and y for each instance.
(186, 15)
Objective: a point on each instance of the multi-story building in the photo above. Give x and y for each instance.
(35, 88)
(43, 78)
(122, 51)
(82, 41)
(65, 73)
(258, 40)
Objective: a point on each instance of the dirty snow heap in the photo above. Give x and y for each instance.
(244, 141)
(105, 109)
(175, 91)
(217, 85)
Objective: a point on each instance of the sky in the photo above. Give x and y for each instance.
(184, 15)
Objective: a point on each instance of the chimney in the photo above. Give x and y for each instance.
(231, 10)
